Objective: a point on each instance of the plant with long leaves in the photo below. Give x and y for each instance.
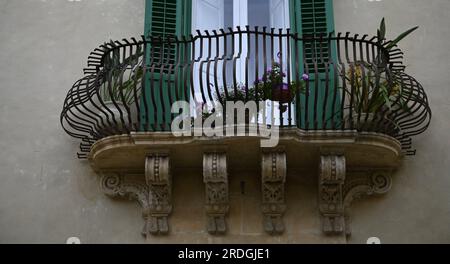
(381, 34)
(372, 87)
(370, 92)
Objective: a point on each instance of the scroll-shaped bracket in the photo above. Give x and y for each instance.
(338, 188)
(215, 177)
(331, 197)
(273, 184)
(117, 185)
(159, 182)
(361, 184)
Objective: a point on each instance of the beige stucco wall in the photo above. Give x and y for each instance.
(417, 209)
(47, 195)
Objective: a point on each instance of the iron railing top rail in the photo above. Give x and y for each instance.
(98, 105)
(97, 57)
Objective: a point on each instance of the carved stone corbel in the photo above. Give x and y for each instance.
(117, 185)
(331, 197)
(215, 177)
(363, 184)
(153, 194)
(338, 188)
(159, 182)
(273, 184)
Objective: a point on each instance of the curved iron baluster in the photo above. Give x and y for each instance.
(86, 116)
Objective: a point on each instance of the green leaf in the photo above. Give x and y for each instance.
(387, 102)
(401, 36)
(382, 31)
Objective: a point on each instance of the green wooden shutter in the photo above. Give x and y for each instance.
(308, 18)
(163, 18)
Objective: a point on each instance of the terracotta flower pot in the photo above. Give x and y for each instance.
(282, 93)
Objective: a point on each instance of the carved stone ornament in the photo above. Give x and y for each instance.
(331, 198)
(273, 184)
(153, 194)
(361, 184)
(159, 182)
(337, 191)
(215, 177)
(119, 185)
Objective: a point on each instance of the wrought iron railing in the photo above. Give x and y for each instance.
(337, 82)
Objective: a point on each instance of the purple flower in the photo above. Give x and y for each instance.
(305, 77)
(284, 86)
(283, 74)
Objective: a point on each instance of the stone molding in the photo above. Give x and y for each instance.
(118, 185)
(331, 181)
(342, 177)
(159, 182)
(215, 177)
(126, 152)
(273, 177)
(339, 188)
(364, 184)
(153, 195)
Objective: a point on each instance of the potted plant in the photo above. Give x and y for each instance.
(373, 94)
(274, 87)
(371, 98)
(271, 86)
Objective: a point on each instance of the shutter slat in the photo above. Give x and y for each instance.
(163, 18)
(313, 16)
(316, 110)
(164, 23)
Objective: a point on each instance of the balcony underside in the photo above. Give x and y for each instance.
(127, 153)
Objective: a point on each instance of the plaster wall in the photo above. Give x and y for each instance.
(47, 195)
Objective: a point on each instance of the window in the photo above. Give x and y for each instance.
(214, 14)
(183, 17)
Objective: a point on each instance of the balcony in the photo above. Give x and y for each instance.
(342, 103)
